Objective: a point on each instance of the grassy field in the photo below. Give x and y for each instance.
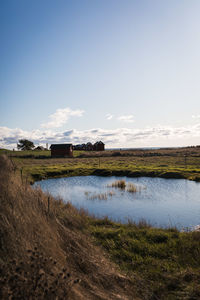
(167, 163)
(167, 261)
(149, 263)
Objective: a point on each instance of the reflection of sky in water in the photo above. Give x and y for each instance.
(163, 202)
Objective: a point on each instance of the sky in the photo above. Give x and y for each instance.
(126, 72)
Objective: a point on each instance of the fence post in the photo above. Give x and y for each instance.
(185, 160)
(26, 181)
(48, 205)
(21, 174)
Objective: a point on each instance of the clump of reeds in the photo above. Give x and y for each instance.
(37, 278)
(132, 188)
(99, 196)
(87, 193)
(121, 184)
(111, 193)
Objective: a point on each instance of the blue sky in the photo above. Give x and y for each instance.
(123, 71)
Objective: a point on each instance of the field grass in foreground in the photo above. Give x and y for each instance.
(166, 259)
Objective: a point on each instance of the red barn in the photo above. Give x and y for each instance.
(61, 150)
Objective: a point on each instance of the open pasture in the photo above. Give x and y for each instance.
(168, 163)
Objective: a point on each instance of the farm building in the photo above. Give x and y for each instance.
(61, 150)
(99, 146)
(39, 148)
(89, 146)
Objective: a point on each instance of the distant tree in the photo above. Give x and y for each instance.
(25, 145)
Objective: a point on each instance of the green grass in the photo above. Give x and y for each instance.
(166, 259)
(26, 154)
(38, 164)
(33, 153)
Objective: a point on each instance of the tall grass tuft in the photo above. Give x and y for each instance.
(132, 188)
(99, 196)
(121, 184)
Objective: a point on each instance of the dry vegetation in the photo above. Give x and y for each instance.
(45, 250)
(129, 187)
(99, 196)
(47, 247)
(121, 184)
(132, 188)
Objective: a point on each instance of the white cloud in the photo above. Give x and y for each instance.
(120, 137)
(109, 116)
(61, 116)
(126, 118)
(196, 116)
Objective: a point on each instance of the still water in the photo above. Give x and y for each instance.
(161, 202)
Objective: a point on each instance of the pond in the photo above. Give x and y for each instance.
(160, 202)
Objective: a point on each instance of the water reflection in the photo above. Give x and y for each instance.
(163, 202)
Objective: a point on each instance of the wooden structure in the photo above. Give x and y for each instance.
(99, 146)
(89, 146)
(61, 150)
(40, 148)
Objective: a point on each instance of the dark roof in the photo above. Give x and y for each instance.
(100, 142)
(60, 146)
(39, 148)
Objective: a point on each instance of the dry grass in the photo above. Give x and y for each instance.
(132, 188)
(37, 278)
(99, 196)
(64, 253)
(129, 187)
(121, 184)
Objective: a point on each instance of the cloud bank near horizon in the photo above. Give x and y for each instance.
(119, 138)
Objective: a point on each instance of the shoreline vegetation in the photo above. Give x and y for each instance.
(177, 163)
(48, 246)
